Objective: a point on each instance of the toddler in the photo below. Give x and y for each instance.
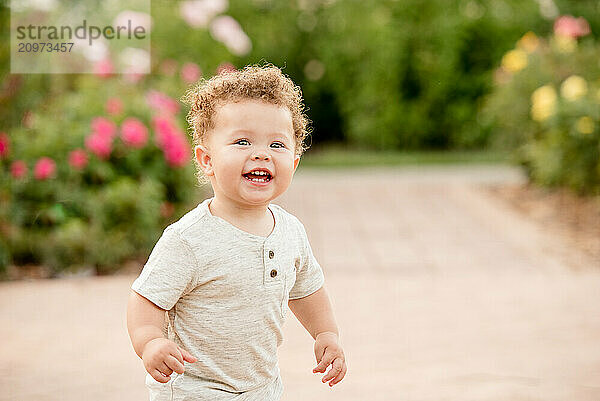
(227, 271)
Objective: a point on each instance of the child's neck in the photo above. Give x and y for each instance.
(254, 219)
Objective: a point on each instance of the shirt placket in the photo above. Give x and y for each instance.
(271, 272)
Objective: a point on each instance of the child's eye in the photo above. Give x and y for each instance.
(279, 144)
(242, 142)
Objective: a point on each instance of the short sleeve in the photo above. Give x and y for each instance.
(169, 272)
(309, 275)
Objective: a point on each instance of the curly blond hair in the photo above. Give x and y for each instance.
(254, 82)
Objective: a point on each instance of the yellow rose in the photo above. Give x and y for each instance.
(514, 60)
(573, 88)
(585, 125)
(543, 103)
(564, 44)
(529, 42)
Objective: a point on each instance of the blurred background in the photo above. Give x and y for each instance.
(94, 166)
(84, 164)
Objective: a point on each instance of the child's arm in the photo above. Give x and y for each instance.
(145, 326)
(145, 321)
(316, 315)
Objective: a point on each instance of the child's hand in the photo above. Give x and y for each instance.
(329, 352)
(162, 357)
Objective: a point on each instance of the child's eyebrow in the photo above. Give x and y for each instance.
(275, 135)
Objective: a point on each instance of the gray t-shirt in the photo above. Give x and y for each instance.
(226, 293)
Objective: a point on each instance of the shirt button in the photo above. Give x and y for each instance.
(273, 273)
(271, 254)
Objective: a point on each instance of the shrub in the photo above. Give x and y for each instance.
(93, 177)
(546, 106)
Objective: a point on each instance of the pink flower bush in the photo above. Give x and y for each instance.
(134, 133)
(172, 141)
(44, 168)
(104, 127)
(99, 145)
(78, 159)
(18, 169)
(114, 106)
(190, 73)
(4, 145)
(572, 27)
(162, 103)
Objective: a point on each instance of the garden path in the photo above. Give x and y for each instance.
(441, 292)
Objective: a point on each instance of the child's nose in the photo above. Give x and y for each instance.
(260, 154)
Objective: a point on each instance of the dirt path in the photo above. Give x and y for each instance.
(441, 293)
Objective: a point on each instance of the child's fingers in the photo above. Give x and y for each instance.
(325, 361)
(187, 356)
(334, 371)
(174, 364)
(321, 366)
(159, 376)
(165, 369)
(339, 377)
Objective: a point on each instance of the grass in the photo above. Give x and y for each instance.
(346, 157)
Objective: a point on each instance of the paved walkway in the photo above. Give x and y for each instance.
(441, 293)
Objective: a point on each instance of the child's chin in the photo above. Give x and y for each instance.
(257, 198)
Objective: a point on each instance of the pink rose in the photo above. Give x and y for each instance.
(4, 145)
(78, 159)
(177, 152)
(225, 67)
(104, 127)
(18, 169)
(567, 25)
(114, 106)
(44, 168)
(99, 145)
(162, 103)
(164, 129)
(172, 141)
(134, 133)
(103, 68)
(190, 73)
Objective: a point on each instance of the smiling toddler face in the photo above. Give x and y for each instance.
(250, 153)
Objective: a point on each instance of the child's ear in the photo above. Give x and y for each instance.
(296, 161)
(204, 159)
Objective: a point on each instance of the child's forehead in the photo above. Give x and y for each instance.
(234, 107)
(249, 114)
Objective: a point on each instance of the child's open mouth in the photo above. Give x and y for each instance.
(258, 176)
